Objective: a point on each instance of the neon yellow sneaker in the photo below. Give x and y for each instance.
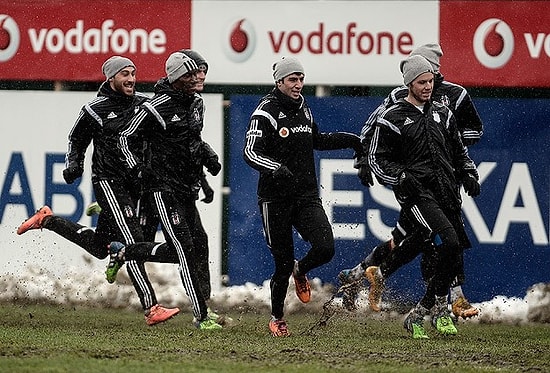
(93, 209)
(444, 323)
(414, 324)
(207, 324)
(116, 261)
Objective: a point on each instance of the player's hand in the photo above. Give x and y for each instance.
(471, 185)
(73, 172)
(208, 193)
(365, 175)
(213, 166)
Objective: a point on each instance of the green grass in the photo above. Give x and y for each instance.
(39, 338)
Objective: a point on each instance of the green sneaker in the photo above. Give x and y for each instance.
(212, 315)
(116, 261)
(207, 324)
(414, 324)
(418, 332)
(93, 209)
(444, 324)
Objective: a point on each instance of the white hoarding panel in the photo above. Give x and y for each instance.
(35, 126)
(338, 42)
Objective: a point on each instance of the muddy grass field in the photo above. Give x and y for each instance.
(54, 338)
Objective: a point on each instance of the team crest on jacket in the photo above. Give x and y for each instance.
(436, 117)
(283, 132)
(128, 211)
(175, 218)
(196, 115)
(445, 100)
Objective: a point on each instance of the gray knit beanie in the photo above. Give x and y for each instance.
(114, 65)
(179, 64)
(197, 57)
(413, 67)
(431, 52)
(286, 66)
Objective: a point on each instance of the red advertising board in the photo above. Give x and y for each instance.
(69, 40)
(496, 43)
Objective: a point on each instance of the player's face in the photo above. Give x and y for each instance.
(292, 85)
(124, 81)
(186, 83)
(420, 90)
(201, 77)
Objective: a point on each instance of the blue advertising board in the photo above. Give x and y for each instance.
(508, 223)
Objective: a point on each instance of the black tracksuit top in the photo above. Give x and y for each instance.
(170, 126)
(282, 131)
(452, 95)
(101, 121)
(425, 144)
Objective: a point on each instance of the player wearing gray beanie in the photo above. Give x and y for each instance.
(286, 66)
(413, 67)
(113, 65)
(197, 57)
(179, 64)
(431, 52)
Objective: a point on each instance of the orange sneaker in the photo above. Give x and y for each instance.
(376, 282)
(462, 308)
(35, 221)
(303, 289)
(158, 314)
(278, 328)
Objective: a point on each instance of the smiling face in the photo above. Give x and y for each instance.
(201, 77)
(420, 90)
(124, 81)
(187, 83)
(291, 85)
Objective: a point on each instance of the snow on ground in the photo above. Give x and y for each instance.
(89, 288)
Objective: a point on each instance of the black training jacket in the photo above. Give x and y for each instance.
(426, 145)
(100, 121)
(282, 131)
(452, 95)
(170, 126)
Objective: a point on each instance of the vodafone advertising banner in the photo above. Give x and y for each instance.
(485, 43)
(338, 42)
(69, 40)
(496, 43)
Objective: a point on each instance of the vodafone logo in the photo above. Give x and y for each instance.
(493, 43)
(9, 37)
(240, 41)
(80, 39)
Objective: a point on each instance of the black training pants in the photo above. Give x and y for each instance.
(310, 221)
(117, 222)
(167, 254)
(177, 218)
